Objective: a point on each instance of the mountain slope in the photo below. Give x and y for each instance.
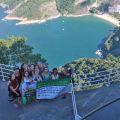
(112, 43)
(41, 9)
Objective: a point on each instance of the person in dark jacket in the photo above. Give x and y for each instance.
(13, 88)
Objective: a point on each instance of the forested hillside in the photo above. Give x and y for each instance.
(111, 46)
(112, 43)
(40, 9)
(11, 3)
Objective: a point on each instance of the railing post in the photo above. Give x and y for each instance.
(109, 79)
(77, 117)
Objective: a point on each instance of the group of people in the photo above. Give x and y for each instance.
(28, 75)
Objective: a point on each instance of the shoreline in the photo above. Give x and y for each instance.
(25, 21)
(108, 18)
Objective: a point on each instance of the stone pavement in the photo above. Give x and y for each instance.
(61, 109)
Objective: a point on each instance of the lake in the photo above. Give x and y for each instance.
(61, 40)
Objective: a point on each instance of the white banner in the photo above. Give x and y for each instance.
(50, 92)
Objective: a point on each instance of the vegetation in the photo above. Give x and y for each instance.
(3, 53)
(65, 6)
(90, 67)
(88, 2)
(117, 15)
(14, 51)
(12, 3)
(93, 10)
(104, 7)
(37, 9)
(42, 9)
(112, 43)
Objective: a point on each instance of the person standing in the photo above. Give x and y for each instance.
(18, 76)
(40, 67)
(55, 74)
(37, 76)
(46, 74)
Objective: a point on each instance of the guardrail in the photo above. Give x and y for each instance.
(5, 71)
(99, 78)
(81, 80)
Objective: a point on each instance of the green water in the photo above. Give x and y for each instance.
(61, 40)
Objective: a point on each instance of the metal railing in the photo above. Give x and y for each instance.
(94, 79)
(83, 80)
(5, 71)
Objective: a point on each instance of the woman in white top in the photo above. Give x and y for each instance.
(25, 83)
(55, 74)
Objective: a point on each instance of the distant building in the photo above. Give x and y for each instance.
(111, 9)
(114, 9)
(118, 8)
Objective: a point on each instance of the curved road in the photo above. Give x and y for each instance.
(61, 109)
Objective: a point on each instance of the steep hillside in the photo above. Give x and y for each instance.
(43, 9)
(37, 9)
(112, 43)
(40, 9)
(11, 3)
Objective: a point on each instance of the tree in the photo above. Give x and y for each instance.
(18, 50)
(65, 6)
(34, 58)
(15, 51)
(3, 53)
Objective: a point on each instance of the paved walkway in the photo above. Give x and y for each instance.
(61, 109)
